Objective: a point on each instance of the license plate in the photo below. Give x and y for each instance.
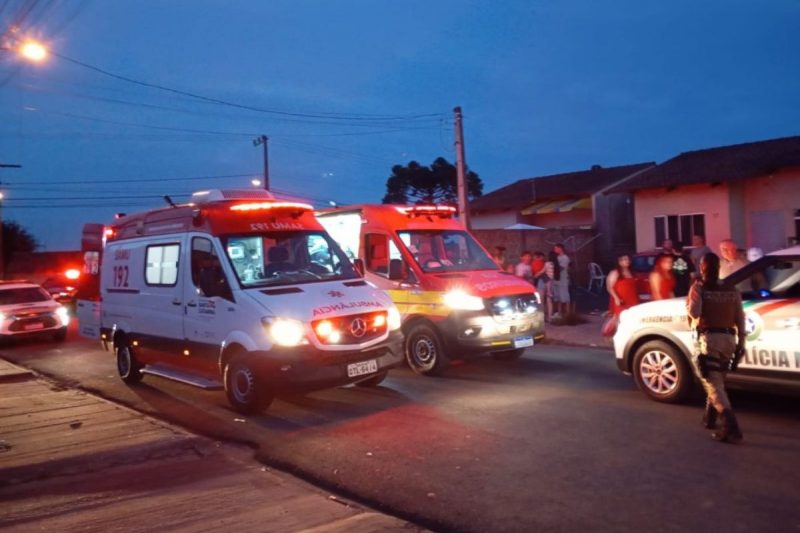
(362, 368)
(523, 342)
(35, 325)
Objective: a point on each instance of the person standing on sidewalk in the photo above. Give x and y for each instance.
(561, 282)
(682, 270)
(715, 313)
(622, 292)
(662, 281)
(523, 269)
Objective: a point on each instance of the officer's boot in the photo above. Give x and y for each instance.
(709, 415)
(730, 431)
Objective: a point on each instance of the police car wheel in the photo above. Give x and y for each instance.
(661, 372)
(424, 352)
(243, 388)
(374, 381)
(509, 355)
(129, 368)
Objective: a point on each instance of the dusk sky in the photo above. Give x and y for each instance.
(348, 89)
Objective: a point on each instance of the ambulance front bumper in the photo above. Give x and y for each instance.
(479, 331)
(305, 368)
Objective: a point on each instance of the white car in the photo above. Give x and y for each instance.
(654, 342)
(27, 309)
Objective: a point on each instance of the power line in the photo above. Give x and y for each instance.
(388, 127)
(137, 180)
(325, 116)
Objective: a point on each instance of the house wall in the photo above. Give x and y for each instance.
(713, 202)
(777, 194)
(493, 220)
(568, 219)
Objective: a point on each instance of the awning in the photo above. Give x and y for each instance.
(557, 206)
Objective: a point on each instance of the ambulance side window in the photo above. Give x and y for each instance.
(376, 248)
(161, 266)
(380, 253)
(207, 273)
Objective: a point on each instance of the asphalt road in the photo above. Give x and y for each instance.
(558, 441)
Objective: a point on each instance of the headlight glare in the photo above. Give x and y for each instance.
(63, 314)
(285, 331)
(394, 319)
(458, 299)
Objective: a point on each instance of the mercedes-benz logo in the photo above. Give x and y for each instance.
(358, 328)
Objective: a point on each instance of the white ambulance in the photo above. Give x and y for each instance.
(654, 341)
(241, 288)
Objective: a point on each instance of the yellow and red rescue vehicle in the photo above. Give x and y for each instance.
(451, 294)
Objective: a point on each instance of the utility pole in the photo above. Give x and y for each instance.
(262, 140)
(461, 170)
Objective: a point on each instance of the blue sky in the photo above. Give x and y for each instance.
(546, 87)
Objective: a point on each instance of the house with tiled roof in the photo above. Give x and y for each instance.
(748, 192)
(569, 201)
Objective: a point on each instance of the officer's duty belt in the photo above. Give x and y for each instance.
(729, 331)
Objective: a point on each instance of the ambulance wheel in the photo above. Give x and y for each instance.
(130, 370)
(509, 355)
(374, 381)
(424, 350)
(662, 372)
(244, 390)
(60, 335)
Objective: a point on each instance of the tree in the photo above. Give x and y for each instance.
(16, 239)
(437, 183)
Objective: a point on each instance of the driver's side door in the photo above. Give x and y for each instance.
(382, 261)
(209, 307)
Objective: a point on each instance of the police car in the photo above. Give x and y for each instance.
(654, 341)
(27, 309)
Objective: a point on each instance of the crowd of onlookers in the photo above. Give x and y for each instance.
(551, 274)
(674, 270)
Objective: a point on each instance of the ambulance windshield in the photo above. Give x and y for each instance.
(446, 251)
(286, 258)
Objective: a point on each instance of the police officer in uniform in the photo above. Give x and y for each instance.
(715, 312)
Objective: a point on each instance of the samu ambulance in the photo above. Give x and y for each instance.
(241, 288)
(450, 292)
(654, 342)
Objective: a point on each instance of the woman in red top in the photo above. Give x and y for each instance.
(621, 286)
(662, 281)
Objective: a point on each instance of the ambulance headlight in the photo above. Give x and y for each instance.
(394, 319)
(63, 314)
(460, 300)
(285, 331)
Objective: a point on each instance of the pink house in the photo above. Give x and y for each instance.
(748, 192)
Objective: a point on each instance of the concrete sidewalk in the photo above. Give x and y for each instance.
(584, 333)
(73, 461)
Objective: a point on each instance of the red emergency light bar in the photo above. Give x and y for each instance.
(256, 206)
(444, 211)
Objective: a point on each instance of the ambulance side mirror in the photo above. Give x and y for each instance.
(358, 264)
(396, 270)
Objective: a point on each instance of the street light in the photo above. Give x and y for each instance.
(255, 182)
(33, 51)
